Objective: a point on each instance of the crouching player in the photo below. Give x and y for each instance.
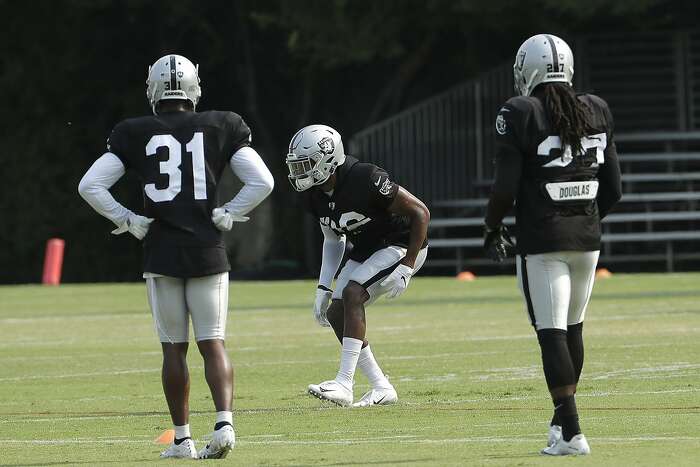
(387, 227)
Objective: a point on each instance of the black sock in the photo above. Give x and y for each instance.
(180, 440)
(555, 420)
(565, 409)
(559, 369)
(574, 340)
(221, 425)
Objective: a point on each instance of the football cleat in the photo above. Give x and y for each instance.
(577, 446)
(554, 435)
(381, 396)
(222, 441)
(184, 450)
(332, 391)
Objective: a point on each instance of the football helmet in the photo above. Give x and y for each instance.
(172, 77)
(543, 58)
(315, 152)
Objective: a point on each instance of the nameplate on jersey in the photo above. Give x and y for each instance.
(563, 192)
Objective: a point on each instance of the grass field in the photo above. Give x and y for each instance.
(80, 383)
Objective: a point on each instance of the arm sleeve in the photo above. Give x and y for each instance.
(508, 168)
(95, 184)
(382, 190)
(249, 167)
(333, 250)
(610, 190)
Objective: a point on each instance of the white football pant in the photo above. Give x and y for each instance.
(557, 286)
(370, 273)
(173, 300)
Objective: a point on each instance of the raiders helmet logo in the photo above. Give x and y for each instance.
(326, 145)
(520, 61)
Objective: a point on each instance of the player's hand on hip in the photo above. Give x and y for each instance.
(223, 219)
(136, 225)
(397, 281)
(323, 299)
(497, 243)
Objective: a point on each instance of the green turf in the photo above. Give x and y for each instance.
(80, 384)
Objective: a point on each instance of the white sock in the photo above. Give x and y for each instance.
(182, 431)
(224, 416)
(348, 361)
(369, 367)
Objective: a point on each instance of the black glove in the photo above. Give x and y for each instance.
(497, 243)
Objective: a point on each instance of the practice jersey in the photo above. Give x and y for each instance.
(179, 158)
(558, 193)
(358, 208)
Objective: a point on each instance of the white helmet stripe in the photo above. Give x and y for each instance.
(555, 56)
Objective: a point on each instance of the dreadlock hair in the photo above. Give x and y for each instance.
(568, 116)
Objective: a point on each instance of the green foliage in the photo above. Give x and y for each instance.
(73, 68)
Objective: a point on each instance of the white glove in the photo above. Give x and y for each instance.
(323, 299)
(136, 225)
(397, 281)
(223, 220)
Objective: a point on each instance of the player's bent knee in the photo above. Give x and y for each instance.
(335, 310)
(354, 294)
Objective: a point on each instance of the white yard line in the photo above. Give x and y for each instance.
(62, 418)
(396, 439)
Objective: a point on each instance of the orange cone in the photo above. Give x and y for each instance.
(466, 276)
(167, 437)
(603, 273)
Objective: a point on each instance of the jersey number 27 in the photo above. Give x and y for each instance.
(171, 167)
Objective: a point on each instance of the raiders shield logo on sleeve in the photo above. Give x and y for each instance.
(501, 125)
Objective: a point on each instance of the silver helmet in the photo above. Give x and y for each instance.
(543, 58)
(315, 152)
(173, 77)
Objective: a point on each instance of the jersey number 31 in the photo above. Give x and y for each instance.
(171, 167)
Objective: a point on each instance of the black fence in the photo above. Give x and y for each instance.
(441, 148)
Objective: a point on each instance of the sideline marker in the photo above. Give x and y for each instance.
(603, 273)
(53, 261)
(167, 437)
(466, 276)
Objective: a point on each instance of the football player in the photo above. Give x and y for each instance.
(387, 228)
(556, 160)
(180, 155)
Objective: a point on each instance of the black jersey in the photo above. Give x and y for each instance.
(358, 208)
(180, 157)
(560, 197)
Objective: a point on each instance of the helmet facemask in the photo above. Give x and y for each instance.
(308, 171)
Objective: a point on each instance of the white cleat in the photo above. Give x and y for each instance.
(554, 435)
(184, 450)
(222, 441)
(381, 396)
(577, 446)
(332, 391)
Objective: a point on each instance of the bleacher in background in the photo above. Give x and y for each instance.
(442, 150)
